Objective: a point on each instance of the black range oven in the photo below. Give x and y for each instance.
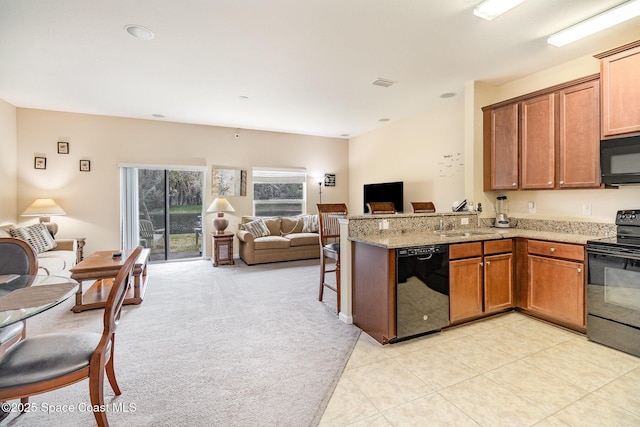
(613, 289)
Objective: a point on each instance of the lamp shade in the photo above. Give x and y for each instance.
(220, 204)
(43, 207)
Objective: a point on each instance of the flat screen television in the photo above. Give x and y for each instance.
(384, 192)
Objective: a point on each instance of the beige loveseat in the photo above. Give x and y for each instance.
(56, 261)
(284, 239)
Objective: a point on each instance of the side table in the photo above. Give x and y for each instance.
(222, 248)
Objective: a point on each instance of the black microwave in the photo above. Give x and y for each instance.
(620, 161)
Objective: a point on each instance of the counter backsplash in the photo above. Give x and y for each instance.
(558, 226)
(366, 225)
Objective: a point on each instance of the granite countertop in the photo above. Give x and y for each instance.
(401, 240)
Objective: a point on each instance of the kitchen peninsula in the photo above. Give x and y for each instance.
(539, 267)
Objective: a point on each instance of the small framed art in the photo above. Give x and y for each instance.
(40, 163)
(63, 148)
(85, 165)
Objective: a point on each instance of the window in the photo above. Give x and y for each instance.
(279, 192)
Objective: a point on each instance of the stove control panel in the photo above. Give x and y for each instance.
(628, 217)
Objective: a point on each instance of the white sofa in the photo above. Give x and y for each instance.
(57, 261)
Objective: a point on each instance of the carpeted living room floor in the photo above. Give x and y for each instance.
(228, 346)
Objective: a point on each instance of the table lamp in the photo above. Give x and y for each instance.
(45, 208)
(220, 205)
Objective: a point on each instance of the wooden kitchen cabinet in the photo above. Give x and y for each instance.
(555, 134)
(579, 136)
(619, 70)
(374, 291)
(556, 282)
(538, 142)
(481, 282)
(501, 148)
(465, 288)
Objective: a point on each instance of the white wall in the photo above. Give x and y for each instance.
(91, 199)
(426, 152)
(8, 148)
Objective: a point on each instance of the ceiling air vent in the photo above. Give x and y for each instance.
(383, 82)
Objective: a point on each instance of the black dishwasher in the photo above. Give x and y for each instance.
(422, 290)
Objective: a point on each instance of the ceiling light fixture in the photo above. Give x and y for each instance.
(602, 21)
(140, 32)
(490, 9)
(448, 95)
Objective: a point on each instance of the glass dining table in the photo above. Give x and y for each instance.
(23, 296)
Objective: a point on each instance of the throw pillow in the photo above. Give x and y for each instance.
(273, 224)
(36, 235)
(310, 224)
(290, 225)
(257, 228)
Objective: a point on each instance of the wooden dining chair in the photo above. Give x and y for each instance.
(423, 207)
(16, 257)
(46, 362)
(381, 207)
(329, 231)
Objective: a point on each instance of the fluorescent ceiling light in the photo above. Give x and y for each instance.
(609, 18)
(490, 9)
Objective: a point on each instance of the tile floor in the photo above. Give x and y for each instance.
(509, 370)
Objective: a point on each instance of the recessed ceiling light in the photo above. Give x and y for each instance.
(243, 97)
(140, 32)
(448, 95)
(384, 119)
(344, 135)
(158, 116)
(490, 9)
(602, 21)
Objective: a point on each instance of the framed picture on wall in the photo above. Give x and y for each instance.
(63, 148)
(40, 163)
(85, 165)
(228, 182)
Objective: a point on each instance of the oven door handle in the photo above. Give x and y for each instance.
(613, 253)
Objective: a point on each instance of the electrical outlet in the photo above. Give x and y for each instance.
(532, 207)
(380, 225)
(586, 209)
(385, 224)
(464, 221)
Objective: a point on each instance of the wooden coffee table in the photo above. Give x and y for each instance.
(102, 268)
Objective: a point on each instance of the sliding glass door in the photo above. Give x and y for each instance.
(170, 212)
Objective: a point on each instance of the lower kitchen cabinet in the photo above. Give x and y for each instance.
(481, 278)
(465, 288)
(498, 282)
(556, 282)
(374, 291)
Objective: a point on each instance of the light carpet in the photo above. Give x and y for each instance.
(226, 346)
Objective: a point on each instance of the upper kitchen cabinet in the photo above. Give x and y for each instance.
(619, 69)
(579, 136)
(501, 148)
(538, 142)
(549, 139)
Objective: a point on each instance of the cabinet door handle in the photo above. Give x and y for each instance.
(487, 262)
(561, 182)
(513, 184)
(552, 250)
(579, 270)
(550, 182)
(481, 264)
